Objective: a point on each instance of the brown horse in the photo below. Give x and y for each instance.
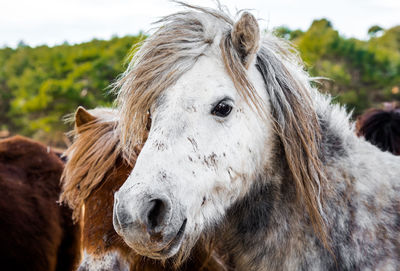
(94, 171)
(36, 232)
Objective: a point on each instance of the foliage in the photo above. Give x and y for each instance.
(374, 30)
(360, 73)
(38, 86)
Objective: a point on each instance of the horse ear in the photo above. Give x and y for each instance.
(82, 116)
(246, 38)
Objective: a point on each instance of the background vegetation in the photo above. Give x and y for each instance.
(38, 86)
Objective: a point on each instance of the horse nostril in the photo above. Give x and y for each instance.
(156, 215)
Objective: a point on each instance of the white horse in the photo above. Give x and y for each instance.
(242, 146)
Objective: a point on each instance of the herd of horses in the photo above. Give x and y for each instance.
(220, 156)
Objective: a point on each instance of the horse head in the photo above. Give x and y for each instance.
(225, 108)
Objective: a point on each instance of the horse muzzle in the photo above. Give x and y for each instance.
(148, 223)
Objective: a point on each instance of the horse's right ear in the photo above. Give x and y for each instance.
(82, 116)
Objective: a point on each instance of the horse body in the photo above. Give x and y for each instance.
(242, 147)
(36, 233)
(94, 172)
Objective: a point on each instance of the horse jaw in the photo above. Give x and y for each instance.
(200, 162)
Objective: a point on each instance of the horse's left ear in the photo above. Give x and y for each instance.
(82, 116)
(246, 38)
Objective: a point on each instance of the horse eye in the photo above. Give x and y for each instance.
(222, 109)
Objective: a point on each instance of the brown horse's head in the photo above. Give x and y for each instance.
(93, 172)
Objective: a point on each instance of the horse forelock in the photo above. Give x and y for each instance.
(93, 154)
(174, 48)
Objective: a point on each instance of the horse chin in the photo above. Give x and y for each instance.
(169, 250)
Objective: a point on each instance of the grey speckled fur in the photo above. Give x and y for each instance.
(269, 230)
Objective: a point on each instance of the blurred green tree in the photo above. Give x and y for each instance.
(361, 73)
(374, 30)
(39, 86)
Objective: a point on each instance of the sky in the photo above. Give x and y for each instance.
(52, 22)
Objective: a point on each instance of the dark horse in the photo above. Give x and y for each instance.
(381, 127)
(36, 232)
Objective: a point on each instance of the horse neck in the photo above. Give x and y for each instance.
(98, 235)
(264, 216)
(270, 225)
(269, 228)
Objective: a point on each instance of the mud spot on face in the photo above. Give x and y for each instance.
(217, 190)
(204, 201)
(234, 175)
(193, 142)
(230, 172)
(191, 108)
(211, 160)
(162, 175)
(159, 145)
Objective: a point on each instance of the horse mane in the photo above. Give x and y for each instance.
(174, 48)
(381, 127)
(92, 155)
(297, 125)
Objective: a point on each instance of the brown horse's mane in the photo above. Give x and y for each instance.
(92, 155)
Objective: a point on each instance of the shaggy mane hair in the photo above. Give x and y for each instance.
(93, 154)
(174, 48)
